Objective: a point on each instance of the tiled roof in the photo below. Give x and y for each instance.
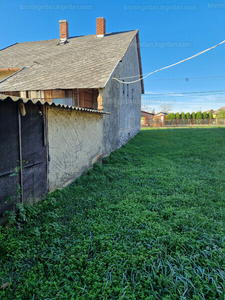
(42, 102)
(83, 62)
(147, 113)
(210, 110)
(221, 108)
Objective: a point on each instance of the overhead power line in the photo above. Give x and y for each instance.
(189, 78)
(184, 93)
(177, 63)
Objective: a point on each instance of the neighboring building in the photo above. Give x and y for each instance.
(146, 118)
(65, 89)
(161, 114)
(159, 119)
(217, 111)
(210, 110)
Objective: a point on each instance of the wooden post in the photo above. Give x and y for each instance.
(20, 153)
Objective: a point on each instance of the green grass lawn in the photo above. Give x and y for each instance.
(146, 224)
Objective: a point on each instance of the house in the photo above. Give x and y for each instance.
(159, 119)
(215, 112)
(210, 110)
(218, 110)
(62, 108)
(146, 118)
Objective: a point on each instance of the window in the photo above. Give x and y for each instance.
(85, 98)
(74, 97)
(63, 97)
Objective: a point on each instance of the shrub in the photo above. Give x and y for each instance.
(183, 116)
(188, 115)
(205, 115)
(177, 115)
(171, 116)
(199, 115)
(221, 114)
(210, 115)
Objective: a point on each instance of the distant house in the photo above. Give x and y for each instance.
(210, 110)
(217, 111)
(161, 114)
(62, 109)
(160, 118)
(146, 118)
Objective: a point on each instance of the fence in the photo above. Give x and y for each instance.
(183, 123)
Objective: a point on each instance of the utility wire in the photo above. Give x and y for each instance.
(183, 93)
(177, 63)
(189, 78)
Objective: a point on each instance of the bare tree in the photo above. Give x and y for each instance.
(146, 108)
(166, 108)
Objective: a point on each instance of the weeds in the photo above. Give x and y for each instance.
(19, 213)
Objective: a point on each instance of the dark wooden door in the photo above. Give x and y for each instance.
(9, 153)
(34, 153)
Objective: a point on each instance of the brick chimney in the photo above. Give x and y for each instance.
(63, 29)
(100, 25)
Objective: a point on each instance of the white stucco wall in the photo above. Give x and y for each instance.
(75, 143)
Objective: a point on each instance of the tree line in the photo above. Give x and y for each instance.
(198, 115)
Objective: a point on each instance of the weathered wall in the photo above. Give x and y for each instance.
(123, 102)
(130, 96)
(75, 143)
(111, 122)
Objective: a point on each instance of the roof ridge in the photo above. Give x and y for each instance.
(70, 37)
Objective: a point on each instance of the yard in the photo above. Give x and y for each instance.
(146, 224)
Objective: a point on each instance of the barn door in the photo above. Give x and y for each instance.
(33, 154)
(9, 149)
(22, 138)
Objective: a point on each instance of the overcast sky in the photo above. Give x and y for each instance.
(169, 31)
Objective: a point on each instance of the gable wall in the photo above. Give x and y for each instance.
(130, 96)
(123, 102)
(111, 124)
